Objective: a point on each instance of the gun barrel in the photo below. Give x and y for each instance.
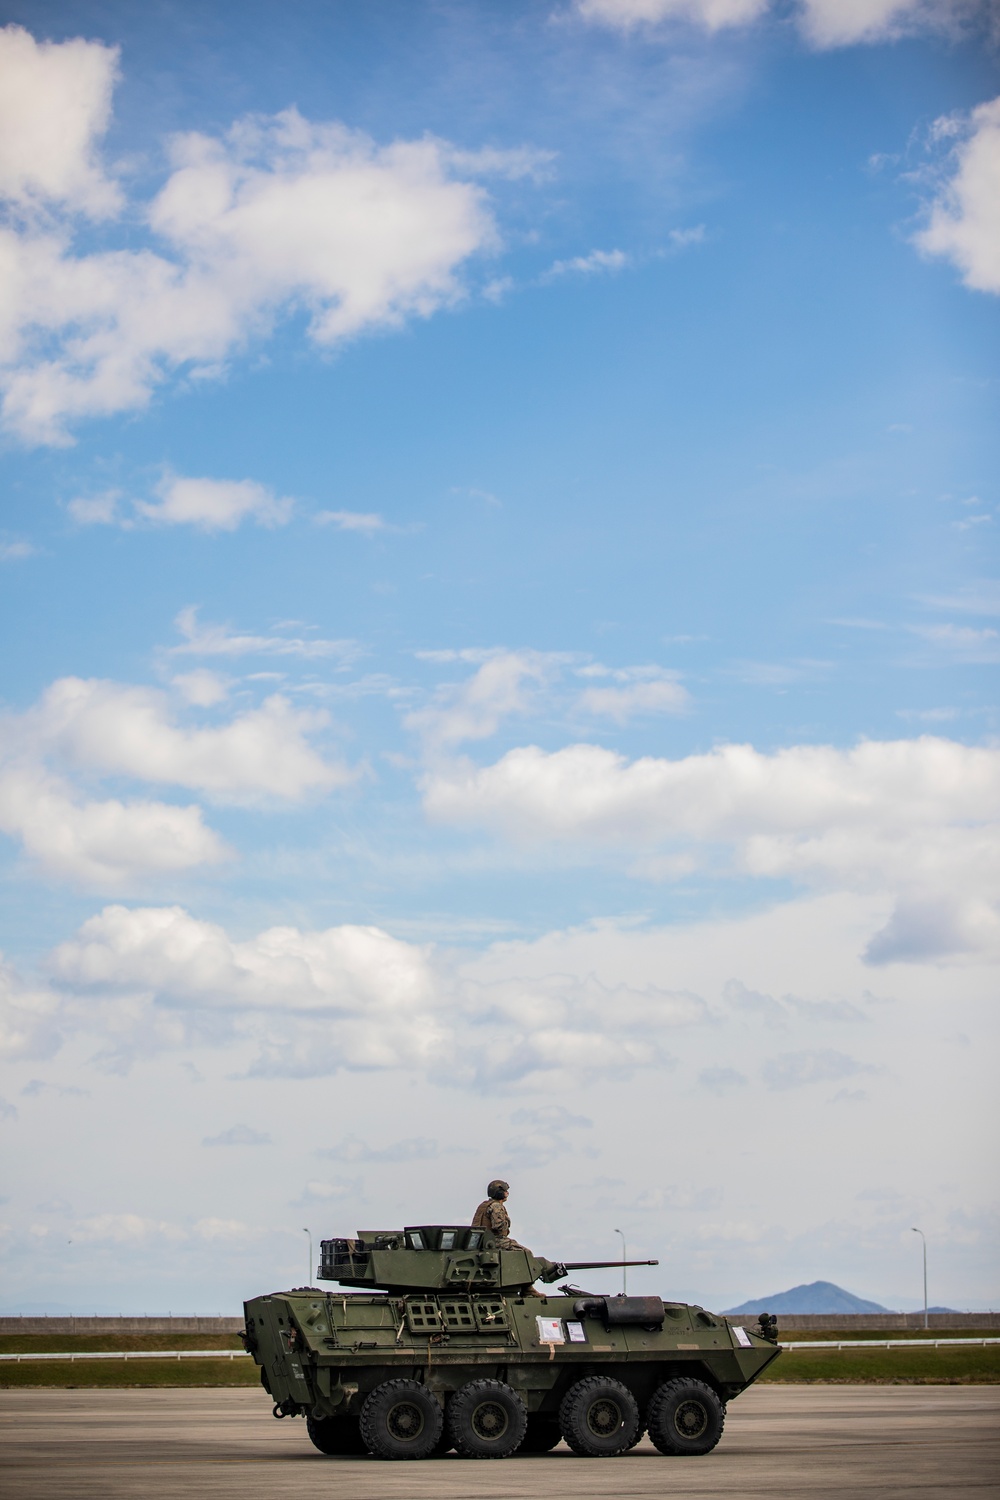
(598, 1265)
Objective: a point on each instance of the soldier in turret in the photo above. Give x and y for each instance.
(492, 1215)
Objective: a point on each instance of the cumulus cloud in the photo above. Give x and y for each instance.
(277, 215)
(214, 504)
(132, 731)
(964, 221)
(713, 15)
(86, 728)
(29, 1018)
(841, 23)
(55, 105)
(913, 817)
(358, 998)
(104, 844)
(474, 709)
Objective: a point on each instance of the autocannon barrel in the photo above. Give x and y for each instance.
(600, 1265)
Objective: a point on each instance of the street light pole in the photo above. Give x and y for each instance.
(924, 1239)
(624, 1271)
(309, 1277)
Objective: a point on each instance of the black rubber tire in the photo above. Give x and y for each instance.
(335, 1435)
(486, 1419)
(599, 1417)
(443, 1445)
(685, 1418)
(542, 1435)
(401, 1419)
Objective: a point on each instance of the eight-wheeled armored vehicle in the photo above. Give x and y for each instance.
(444, 1344)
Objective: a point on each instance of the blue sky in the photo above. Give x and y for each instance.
(498, 568)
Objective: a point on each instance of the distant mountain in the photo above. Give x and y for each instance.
(816, 1297)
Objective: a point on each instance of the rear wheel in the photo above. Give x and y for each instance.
(685, 1417)
(335, 1435)
(598, 1417)
(542, 1435)
(486, 1419)
(401, 1419)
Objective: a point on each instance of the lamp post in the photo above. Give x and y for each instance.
(309, 1277)
(624, 1257)
(924, 1240)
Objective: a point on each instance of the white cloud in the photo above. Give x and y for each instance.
(917, 818)
(367, 522)
(357, 998)
(277, 215)
(964, 223)
(841, 23)
(374, 993)
(29, 1018)
(823, 23)
(588, 265)
(644, 690)
(106, 845)
(55, 105)
(96, 510)
(206, 504)
(16, 551)
(220, 640)
(201, 687)
(474, 709)
(214, 504)
(682, 238)
(131, 731)
(711, 14)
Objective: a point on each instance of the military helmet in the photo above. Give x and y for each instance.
(498, 1188)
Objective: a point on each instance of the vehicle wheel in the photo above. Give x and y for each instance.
(443, 1445)
(335, 1434)
(599, 1417)
(486, 1419)
(685, 1417)
(401, 1419)
(542, 1434)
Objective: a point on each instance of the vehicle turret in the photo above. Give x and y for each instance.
(442, 1258)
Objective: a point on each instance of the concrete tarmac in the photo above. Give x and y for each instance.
(915, 1442)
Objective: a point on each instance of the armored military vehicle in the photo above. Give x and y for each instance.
(443, 1344)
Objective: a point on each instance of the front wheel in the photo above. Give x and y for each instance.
(486, 1419)
(685, 1417)
(599, 1417)
(335, 1435)
(401, 1419)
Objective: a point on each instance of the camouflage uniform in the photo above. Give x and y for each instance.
(493, 1216)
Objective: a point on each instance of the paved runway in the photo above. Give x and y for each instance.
(915, 1442)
